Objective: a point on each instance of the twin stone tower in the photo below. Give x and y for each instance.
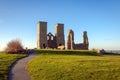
(49, 41)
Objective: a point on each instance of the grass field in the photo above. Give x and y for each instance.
(5, 62)
(50, 65)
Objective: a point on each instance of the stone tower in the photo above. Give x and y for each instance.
(85, 40)
(70, 41)
(42, 35)
(59, 34)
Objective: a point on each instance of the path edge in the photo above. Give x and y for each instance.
(12, 65)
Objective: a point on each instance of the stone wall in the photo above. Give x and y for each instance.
(51, 41)
(70, 41)
(59, 34)
(85, 40)
(42, 33)
(45, 40)
(80, 46)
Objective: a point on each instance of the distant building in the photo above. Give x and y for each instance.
(48, 40)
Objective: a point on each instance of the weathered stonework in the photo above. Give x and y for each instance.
(49, 41)
(85, 40)
(80, 46)
(42, 33)
(59, 33)
(45, 40)
(70, 41)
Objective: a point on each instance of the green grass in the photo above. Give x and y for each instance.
(69, 52)
(60, 65)
(5, 62)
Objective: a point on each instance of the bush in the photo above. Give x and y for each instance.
(14, 46)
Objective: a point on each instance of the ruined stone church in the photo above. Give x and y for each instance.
(49, 41)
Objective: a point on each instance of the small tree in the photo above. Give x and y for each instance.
(14, 46)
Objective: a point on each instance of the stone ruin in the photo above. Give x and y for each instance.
(46, 41)
(49, 41)
(80, 46)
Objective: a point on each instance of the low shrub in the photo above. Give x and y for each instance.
(14, 46)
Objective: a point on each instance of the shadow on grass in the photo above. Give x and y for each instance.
(68, 52)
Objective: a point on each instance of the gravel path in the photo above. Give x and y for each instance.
(18, 71)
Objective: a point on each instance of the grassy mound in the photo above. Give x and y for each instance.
(5, 62)
(53, 65)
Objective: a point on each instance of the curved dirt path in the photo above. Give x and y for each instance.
(18, 71)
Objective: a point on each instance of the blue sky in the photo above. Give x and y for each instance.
(100, 18)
